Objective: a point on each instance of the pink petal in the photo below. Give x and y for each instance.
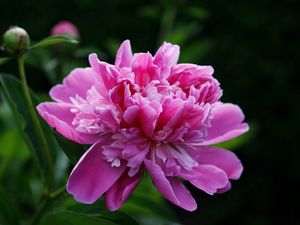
(170, 187)
(59, 117)
(78, 82)
(65, 28)
(124, 55)
(93, 175)
(166, 57)
(148, 117)
(227, 187)
(227, 123)
(190, 74)
(144, 69)
(120, 191)
(196, 81)
(130, 114)
(221, 158)
(106, 73)
(208, 178)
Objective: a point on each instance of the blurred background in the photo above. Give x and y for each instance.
(254, 48)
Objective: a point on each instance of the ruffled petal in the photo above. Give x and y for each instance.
(59, 117)
(124, 55)
(78, 82)
(227, 187)
(221, 158)
(93, 175)
(170, 187)
(148, 116)
(227, 123)
(208, 178)
(196, 81)
(107, 74)
(144, 69)
(120, 191)
(166, 57)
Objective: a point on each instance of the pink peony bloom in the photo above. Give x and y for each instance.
(146, 113)
(65, 28)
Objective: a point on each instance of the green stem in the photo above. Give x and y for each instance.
(36, 121)
(58, 193)
(45, 203)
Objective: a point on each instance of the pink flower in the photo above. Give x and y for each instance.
(65, 28)
(146, 113)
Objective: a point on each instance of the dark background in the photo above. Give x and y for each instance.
(254, 48)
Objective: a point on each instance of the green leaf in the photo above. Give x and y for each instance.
(72, 150)
(182, 33)
(12, 152)
(54, 40)
(197, 13)
(13, 93)
(8, 212)
(75, 218)
(42, 59)
(119, 218)
(4, 60)
(195, 51)
(147, 206)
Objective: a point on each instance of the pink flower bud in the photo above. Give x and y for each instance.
(65, 28)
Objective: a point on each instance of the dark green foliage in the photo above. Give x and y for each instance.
(254, 48)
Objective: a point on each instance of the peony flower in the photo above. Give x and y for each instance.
(146, 113)
(65, 28)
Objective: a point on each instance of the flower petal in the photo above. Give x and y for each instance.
(227, 187)
(106, 73)
(78, 82)
(221, 158)
(144, 69)
(148, 115)
(170, 187)
(166, 57)
(93, 175)
(59, 117)
(208, 178)
(124, 55)
(121, 190)
(227, 123)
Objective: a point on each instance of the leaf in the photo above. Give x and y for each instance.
(197, 13)
(195, 51)
(72, 150)
(8, 212)
(183, 33)
(13, 93)
(4, 60)
(119, 218)
(42, 59)
(147, 206)
(12, 153)
(54, 40)
(74, 218)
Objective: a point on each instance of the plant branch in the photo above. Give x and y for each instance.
(45, 203)
(36, 121)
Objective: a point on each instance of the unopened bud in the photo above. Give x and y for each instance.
(65, 28)
(16, 40)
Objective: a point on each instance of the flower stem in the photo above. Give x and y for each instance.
(45, 203)
(36, 122)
